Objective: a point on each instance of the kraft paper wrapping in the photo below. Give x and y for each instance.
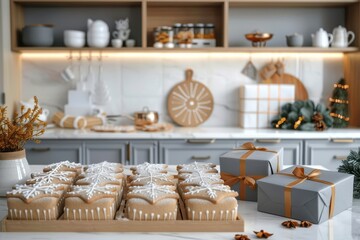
(310, 200)
(261, 103)
(258, 164)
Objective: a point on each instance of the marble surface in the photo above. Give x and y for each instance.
(139, 80)
(345, 226)
(205, 133)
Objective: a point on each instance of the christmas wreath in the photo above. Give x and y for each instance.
(303, 115)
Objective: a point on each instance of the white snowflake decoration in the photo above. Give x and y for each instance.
(90, 190)
(100, 177)
(211, 190)
(103, 167)
(57, 166)
(48, 178)
(197, 167)
(152, 177)
(152, 191)
(148, 167)
(31, 191)
(200, 177)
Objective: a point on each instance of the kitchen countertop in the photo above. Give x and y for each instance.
(342, 226)
(205, 133)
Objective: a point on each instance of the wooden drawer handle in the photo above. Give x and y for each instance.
(342, 140)
(40, 149)
(268, 140)
(201, 141)
(340, 157)
(200, 157)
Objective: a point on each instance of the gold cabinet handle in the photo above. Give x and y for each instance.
(342, 140)
(201, 141)
(201, 158)
(268, 140)
(128, 153)
(40, 149)
(341, 158)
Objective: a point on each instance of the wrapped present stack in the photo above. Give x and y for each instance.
(260, 103)
(242, 167)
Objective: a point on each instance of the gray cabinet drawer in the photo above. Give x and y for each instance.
(328, 153)
(52, 151)
(143, 151)
(189, 151)
(105, 150)
(293, 149)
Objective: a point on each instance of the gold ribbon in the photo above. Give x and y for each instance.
(245, 180)
(299, 173)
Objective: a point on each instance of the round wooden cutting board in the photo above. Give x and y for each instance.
(300, 90)
(190, 102)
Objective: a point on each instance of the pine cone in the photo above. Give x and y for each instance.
(241, 237)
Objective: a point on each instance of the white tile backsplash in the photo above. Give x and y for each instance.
(135, 82)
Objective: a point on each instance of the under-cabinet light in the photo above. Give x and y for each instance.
(185, 55)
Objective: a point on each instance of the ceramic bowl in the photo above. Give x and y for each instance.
(38, 35)
(75, 39)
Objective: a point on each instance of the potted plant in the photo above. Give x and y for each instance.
(14, 133)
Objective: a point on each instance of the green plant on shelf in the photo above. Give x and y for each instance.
(352, 166)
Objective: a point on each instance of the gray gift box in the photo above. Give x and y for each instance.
(310, 200)
(258, 164)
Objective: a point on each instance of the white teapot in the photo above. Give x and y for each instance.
(98, 34)
(322, 39)
(341, 37)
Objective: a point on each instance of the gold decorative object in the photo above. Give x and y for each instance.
(190, 102)
(258, 39)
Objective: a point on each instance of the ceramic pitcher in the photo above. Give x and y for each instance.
(321, 38)
(342, 38)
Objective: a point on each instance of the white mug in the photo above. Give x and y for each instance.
(130, 43)
(67, 74)
(117, 43)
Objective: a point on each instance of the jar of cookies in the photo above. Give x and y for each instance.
(209, 31)
(176, 28)
(163, 35)
(185, 35)
(199, 30)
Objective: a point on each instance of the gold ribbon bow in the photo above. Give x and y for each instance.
(299, 173)
(245, 180)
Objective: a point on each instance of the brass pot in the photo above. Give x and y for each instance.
(146, 117)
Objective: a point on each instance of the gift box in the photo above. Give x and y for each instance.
(305, 193)
(261, 103)
(241, 168)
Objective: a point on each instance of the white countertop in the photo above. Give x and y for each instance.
(344, 226)
(205, 133)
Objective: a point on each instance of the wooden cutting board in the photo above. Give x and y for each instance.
(190, 102)
(300, 90)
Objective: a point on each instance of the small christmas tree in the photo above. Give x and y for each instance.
(339, 104)
(352, 166)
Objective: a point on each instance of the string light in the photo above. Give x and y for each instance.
(336, 115)
(280, 122)
(298, 122)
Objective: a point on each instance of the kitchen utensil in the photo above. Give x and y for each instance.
(157, 127)
(295, 40)
(73, 38)
(322, 39)
(112, 128)
(117, 43)
(130, 43)
(258, 39)
(145, 117)
(101, 93)
(250, 70)
(300, 90)
(190, 102)
(67, 74)
(341, 37)
(38, 35)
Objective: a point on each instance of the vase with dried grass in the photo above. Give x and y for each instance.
(14, 133)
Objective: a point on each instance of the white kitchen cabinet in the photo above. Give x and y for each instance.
(96, 151)
(143, 151)
(191, 150)
(293, 149)
(329, 153)
(52, 151)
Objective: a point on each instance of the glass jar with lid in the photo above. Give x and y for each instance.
(176, 28)
(164, 34)
(185, 35)
(209, 31)
(199, 30)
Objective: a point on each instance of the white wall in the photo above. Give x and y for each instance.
(137, 81)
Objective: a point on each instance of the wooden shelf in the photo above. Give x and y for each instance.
(194, 50)
(291, 3)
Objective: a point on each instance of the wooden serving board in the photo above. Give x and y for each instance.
(300, 90)
(190, 102)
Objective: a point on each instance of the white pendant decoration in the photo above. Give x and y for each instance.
(250, 70)
(101, 93)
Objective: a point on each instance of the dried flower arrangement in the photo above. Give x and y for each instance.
(25, 126)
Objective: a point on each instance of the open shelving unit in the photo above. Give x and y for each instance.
(227, 16)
